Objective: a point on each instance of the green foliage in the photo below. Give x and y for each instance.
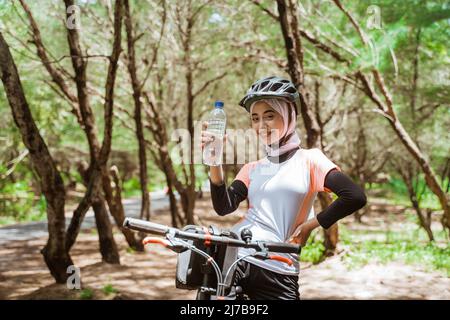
(409, 246)
(86, 294)
(131, 187)
(409, 252)
(313, 251)
(19, 203)
(396, 193)
(109, 289)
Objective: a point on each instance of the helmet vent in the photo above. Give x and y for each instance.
(275, 87)
(291, 90)
(264, 84)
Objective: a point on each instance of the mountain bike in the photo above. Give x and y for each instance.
(205, 251)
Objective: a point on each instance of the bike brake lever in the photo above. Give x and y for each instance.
(261, 255)
(175, 244)
(170, 244)
(267, 256)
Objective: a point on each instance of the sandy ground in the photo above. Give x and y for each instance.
(331, 280)
(150, 275)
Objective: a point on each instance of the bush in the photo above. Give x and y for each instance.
(86, 294)
(131, 187)
(313, 251)
(109, 289)
(19, 203)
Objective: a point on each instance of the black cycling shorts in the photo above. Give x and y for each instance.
(262, 284)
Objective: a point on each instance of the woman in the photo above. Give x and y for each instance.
(281, 189)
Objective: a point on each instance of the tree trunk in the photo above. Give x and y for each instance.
(190, 97)
(103, 224)
(108, 247)
(289, 28)
(114, 199)
(412, 147)
(407, 173)
(165, 162)
(51, 183)
(175, 215)
(191, 198)
(184, 198)
(55, 74)
(136, 86)
(98, 155)
(288, 14)
(80, 103)
(415, 80)
(424, 222)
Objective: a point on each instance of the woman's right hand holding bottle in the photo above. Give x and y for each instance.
(215, 172)
(206, 136)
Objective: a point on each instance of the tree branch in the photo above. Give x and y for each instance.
(157, 46)
(209, 82)
(353, 21)
(270, 13)
(42, 54)
(110, 82)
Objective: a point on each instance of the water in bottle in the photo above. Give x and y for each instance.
(212, 153)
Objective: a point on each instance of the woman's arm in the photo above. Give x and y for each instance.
(350, 198)
(216, 174)
(226, 200)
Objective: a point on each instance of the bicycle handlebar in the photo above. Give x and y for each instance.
(156, 228)
(146, 226)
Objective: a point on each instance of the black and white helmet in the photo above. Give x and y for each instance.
(271, 87)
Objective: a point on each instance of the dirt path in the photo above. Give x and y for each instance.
(332, 280)
(30, 230)
(150, 275)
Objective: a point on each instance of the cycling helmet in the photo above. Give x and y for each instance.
(271, 87)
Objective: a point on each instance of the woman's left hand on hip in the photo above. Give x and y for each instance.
(302, 232)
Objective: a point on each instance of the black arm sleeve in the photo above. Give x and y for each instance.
(350, 198)
(226, 200)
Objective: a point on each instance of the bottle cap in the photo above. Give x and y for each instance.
(218, 104)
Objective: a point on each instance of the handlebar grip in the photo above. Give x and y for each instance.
(283, 247)
(281, 259)
(145, 226)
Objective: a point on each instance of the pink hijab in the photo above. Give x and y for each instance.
(282, 107)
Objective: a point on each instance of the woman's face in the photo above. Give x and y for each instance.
(267, 123)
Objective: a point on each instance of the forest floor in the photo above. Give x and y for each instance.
(150, 274)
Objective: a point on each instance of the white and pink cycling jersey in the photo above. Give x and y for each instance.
(281, 197)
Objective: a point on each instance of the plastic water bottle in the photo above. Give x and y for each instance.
(217, 120)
